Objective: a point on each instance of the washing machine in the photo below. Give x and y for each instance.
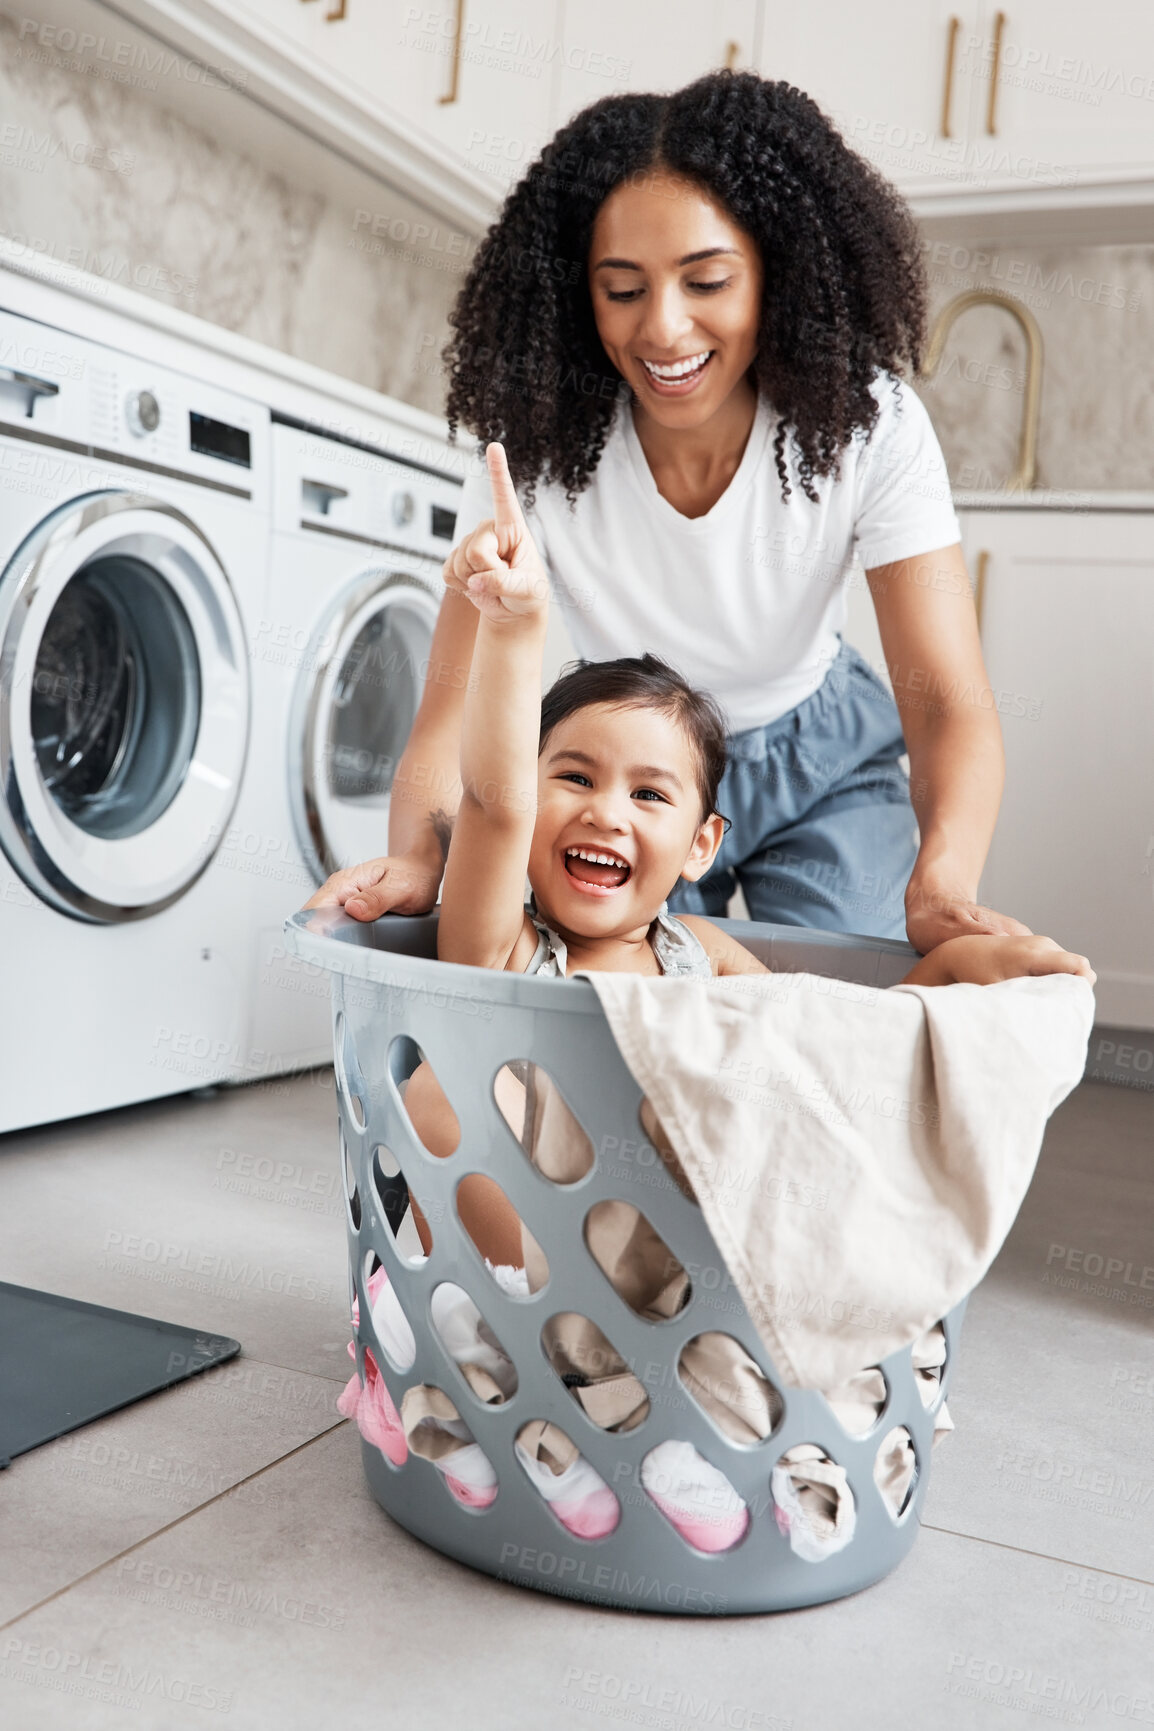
(134, 525)
(339, 661)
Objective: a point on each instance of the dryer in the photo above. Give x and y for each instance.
(340, 654)
(134, 520)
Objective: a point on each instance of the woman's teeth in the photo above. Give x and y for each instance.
(674, 372)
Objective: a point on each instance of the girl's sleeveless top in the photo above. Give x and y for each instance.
(678, 950)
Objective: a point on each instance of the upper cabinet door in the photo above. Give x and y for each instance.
(474, 78)
(890, 75)
(649, 45)
(478, 77)
(1072, 90)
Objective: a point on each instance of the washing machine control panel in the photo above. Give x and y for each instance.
(325, 485)
(122, 407)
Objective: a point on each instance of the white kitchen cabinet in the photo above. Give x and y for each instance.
(362, 47)
(615, 45)
(1070, 137)
(1074, 86)
(1068, 636)
(1069, 97)
(464, 73)
(879, 72)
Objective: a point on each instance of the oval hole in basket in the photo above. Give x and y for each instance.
(390, 1323)
(636, 1261)
(541, 1119)
(342, 1049)
(860, 1400)
(812, 1502)
(656, 1151)
(930, 1355)
(896, 1470)
(472, 1345)
(509, 1250)
(424, 1102)
(378, 1420)
(695, 1497)
(730, 1387)
(426, 1413)
(571, 1490)
(594, 1372)
(392, 1193)
(352, 1194)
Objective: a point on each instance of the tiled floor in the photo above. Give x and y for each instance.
(213, 1553)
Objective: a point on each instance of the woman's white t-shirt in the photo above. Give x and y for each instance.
(746, 602)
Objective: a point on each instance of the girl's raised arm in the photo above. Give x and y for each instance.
(483, 900)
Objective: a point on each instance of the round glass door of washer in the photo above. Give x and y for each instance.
(354, 713)
(125, 718)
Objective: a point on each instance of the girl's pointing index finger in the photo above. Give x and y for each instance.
(507, 518)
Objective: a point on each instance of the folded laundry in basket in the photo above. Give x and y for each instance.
(858, 1155)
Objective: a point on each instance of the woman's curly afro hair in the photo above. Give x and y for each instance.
(844, 285)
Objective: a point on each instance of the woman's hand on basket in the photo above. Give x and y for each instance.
(400, 884)
(935, 914)
(497, 567)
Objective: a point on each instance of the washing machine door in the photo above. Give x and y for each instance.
(356, 700)
(123, 706)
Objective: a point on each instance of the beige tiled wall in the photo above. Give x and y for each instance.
(102, 175)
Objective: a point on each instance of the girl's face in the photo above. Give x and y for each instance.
(676, 289)
(619, 783)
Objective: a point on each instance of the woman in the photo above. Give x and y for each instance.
(686, 328)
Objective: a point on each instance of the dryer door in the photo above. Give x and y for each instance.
(123, 706)
(355, 705)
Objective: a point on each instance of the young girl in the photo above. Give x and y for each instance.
(604, 794)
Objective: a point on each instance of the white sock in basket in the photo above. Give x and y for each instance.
(694, 1496)
(467, 1470)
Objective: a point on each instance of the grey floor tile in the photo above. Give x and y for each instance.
(1054, 1390)
(1104, 1131)
(224, 1214)
(70, 1505)
(295, 1602)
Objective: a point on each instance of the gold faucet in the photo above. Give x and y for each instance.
(1023, 477)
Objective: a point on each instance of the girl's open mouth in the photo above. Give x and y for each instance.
(596, 870)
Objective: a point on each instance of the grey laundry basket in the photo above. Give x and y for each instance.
(389, 990)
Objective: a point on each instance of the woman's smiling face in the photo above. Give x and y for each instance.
(676, 289)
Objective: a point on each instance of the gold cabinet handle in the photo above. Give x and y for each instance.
(455, 75)
(980, 571)
(952, 28)
(732, 50)
(995, 68)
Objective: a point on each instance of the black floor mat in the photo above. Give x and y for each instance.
(64, 1363)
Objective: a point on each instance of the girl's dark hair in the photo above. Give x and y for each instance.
(844, 284)
(644, 682)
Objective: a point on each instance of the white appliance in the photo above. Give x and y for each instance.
(339, 660)
(134, 521)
